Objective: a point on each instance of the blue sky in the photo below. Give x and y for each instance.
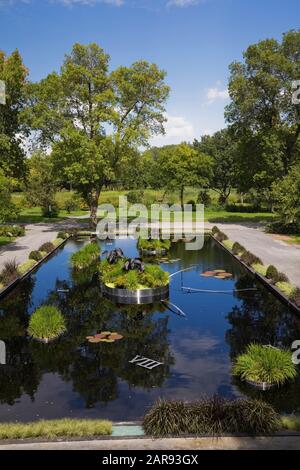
(193, 40)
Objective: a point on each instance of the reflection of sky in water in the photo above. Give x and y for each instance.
(84, 381)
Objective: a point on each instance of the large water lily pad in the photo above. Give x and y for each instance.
(106, 340)
(95, 340)
(115, 336)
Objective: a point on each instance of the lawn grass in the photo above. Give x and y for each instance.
(56, 428)
(5, 240)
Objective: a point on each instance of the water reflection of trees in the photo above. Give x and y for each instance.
(93, 369)
(262, 318)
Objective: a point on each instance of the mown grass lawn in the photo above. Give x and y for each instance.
(5, 240)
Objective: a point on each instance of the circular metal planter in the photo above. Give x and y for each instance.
(139, 296)
(264, 386)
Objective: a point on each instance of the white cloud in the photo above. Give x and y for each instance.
(177, 128)
(183, 3)
(215, 93)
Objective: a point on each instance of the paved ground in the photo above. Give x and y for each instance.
(206, 443)
(36, 235)
(271, 251)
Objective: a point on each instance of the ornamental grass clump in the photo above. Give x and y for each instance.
(237, 249)
(210, 417)
(26, 266)
(46, 323)
(221, 236)
(215, 230)
(86, 256)
(272, 274)
(9, 272)
(154, 245)
(265, 364)
(35, 255)
(249, 258)
(47, 247)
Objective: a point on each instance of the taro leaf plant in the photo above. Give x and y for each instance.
(46, 323)
(265, 364)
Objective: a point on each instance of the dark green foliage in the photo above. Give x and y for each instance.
(282, 228)
(192, 203)
(281, 277)
(135, 196)
(245, 208)
(9, 273)
(272, 273)
(204, 198)
(215, 230)
(36, 255)
(221, 236)
(295, 296)
(237, 248)
(51, 210)
(249, 258)
(214, 416)
(154, 244)
(47, 247)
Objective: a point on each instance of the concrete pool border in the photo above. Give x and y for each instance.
(278, 293)
(14, 283)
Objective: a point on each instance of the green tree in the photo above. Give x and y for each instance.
(7, 207)
(262, 113)
(12, 156)
(176, 166)
(93, 118)
(222, 147)
(41, 184)
(286, 193)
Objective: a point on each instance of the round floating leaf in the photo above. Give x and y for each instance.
(107, 340)
(219, 271)
(101, 335)
(105, 333)
(208, 273)
(89, 337)
(95, 340)
(115, 336)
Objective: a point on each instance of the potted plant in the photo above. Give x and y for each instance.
(46, 324)
(264, 366)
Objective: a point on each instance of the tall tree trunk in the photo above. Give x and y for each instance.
(95, 193)
(182, 197)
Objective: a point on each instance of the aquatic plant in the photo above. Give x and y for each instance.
(265, 364)
(86, 256)
(46, 323)
(154, 245)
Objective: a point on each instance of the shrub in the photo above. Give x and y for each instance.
(215, 230)
(62, 235)
(86, 256)
(260, 268)
(228, 244)
(204, 198)
(282, 228)
(26, 266)
(135, 196)
(249, 258)
(265, 364)
(12, 231)
(57, 242)
(47, 322)
(285, 287)
(9, 273)
(36, 255)
(47, 247)
(295, 296)
(214, 416)
(192, 203)
(221, 236)
(291, 422)
(272, 273)
(237, 248)
(71, 205)
(282, 277)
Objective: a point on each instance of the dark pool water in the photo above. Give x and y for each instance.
(74, 378)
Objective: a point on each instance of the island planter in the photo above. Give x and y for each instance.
(148, 252)
(137, 296)
(264, 386)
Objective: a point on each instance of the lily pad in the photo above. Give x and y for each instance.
(105, 333)
(95, 340)
(107, 340)
(90, 337)
(101, 335)
(219, 271)
(208, 273)
(115, 336)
